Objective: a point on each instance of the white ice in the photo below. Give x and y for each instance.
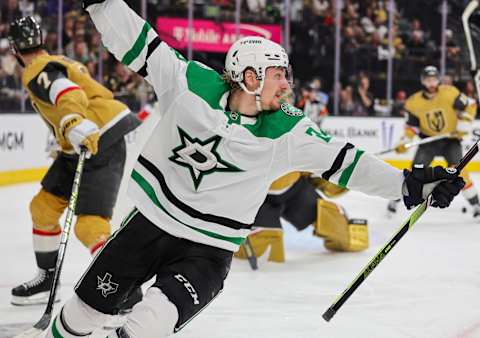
(427, 287)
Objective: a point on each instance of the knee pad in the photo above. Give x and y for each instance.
(92, 231)
(340, 233)
(154, 317)
(46, 210)
(263, 239)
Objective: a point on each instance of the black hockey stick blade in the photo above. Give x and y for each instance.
(251, 257)
(380, 255)
(43, 323)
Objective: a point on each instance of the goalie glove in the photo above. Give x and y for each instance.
(443, 184)
(86, 3)
(81, 132)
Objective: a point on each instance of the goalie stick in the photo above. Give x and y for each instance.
(43, 323)
(375, 261)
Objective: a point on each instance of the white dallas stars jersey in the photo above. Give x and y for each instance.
(204, 172)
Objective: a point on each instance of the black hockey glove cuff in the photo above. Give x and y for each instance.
(86, 3)
(443, 184)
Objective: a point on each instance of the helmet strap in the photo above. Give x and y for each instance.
(257, 93)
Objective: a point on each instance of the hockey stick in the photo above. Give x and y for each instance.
(417, 143)
(251, 257)
(406, 226)
(43, 323)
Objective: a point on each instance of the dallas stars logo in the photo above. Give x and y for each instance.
(105, 285)
(200, 157)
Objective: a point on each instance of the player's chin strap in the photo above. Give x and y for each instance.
(257, 93)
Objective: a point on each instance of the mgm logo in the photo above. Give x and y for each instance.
(436, 120)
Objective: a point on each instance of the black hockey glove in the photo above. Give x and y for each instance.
(443, 184)
(86, 3)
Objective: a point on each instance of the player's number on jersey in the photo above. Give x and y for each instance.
(318, 133)
(43, 80)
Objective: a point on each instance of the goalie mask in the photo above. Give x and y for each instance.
(257, 53)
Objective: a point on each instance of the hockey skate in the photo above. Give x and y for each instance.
(35, 291)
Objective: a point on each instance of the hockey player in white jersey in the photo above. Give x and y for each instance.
(204, 173)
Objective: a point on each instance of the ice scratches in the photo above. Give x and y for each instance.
(10, 330)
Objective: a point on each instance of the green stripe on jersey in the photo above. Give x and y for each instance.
(138, 46)
(148, 189)
(55, 332)
(347, 173)
(206, 83)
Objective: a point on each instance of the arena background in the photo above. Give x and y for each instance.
(375, 46)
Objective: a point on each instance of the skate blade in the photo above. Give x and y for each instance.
(38, 299)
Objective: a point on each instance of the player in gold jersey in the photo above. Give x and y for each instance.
(81, 113)
(439, 110)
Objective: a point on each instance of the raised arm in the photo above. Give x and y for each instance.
(135, 43)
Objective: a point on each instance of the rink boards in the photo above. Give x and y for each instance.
(25, 142)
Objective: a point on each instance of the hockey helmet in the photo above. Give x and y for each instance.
(429, 71)
(25, 35)
(254, 52)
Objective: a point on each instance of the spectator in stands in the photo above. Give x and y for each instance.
(51, 42)
(399, 104)
(80, 50)
(470, 90)
(347, 105)
(123, 84)
(9, 10)
(363, 98)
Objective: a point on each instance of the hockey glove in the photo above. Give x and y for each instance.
(464, 126)
(443, 184)
(401, 148)
(81, 132)
(86, 3)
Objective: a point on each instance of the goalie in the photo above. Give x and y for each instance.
(294, 197)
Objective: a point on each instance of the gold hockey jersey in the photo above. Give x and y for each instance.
(438, 115)
(59, 87)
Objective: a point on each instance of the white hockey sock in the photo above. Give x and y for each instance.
(154, 317)
(77, 319)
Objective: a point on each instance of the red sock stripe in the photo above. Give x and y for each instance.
(46, 233)
(66, 90)
(96, 246)
(468, 186)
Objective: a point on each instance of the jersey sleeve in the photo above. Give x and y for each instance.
(52, 86)
(135, 43)
(465, 106)
(341, 163)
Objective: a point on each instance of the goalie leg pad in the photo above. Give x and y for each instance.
(340, 233)
(92, 231)
(263, 239)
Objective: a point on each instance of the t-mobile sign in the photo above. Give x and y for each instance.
(210, 36)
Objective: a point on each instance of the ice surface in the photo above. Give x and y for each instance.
(427, 287)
